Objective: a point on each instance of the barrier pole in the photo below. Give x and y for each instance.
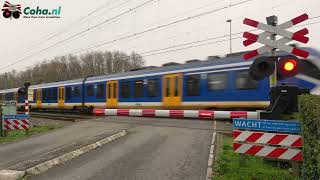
(26, 111)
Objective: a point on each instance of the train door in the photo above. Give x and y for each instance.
(172, 90)
(112, 93)
(39, 98)
(61, 97)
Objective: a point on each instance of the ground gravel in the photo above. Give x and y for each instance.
(48, 122)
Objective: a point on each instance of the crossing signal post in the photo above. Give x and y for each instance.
(277, 67)
(24, 92)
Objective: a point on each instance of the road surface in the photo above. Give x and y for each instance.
(154, 149)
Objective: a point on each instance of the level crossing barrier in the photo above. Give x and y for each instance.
(198, 114)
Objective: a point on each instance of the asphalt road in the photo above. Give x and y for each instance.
(31, 151)
(155, 149)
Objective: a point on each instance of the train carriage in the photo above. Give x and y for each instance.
(216, 84)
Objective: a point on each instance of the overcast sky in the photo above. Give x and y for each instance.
(26, 41)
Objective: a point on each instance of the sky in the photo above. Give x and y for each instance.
(143, 26)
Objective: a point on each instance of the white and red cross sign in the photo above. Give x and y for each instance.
(281, 30)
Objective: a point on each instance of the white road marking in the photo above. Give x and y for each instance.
(210, 159)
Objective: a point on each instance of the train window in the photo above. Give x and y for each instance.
(176, 86)
(44, 94)
(109, 91)
(138, 89)
(167, 87)
(153, 85)
(54, 94)
(217, 81)
(115, 90)
(125, 90)
(76, 91)
(68, 93)
(90, 90)
(244, 81)
(50, 94)
(193, 85)
(9, 96)
(101, 89)
(34, 95)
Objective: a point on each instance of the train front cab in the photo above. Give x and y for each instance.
(172, 90)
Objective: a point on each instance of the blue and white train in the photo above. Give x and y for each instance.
(216, 84)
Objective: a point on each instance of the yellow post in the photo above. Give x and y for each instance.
(273, 78)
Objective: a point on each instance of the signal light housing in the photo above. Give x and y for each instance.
(262, 67)
(22, 91)
(287, 66)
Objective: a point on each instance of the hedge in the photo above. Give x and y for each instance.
(309, 108)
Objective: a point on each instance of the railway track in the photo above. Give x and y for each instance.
(60, 116)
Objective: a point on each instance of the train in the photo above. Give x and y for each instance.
(218, 83)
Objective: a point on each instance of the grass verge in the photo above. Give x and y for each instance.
(230, 166)
(20, 134)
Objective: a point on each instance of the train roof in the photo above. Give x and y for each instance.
(209, 64)
(219, 63)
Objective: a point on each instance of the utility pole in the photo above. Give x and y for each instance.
(273, 21)
(5, 80)
(230, 22)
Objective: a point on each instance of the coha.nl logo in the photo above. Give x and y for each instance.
(11, 10)
(14, 10)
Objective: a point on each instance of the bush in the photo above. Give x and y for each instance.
(309, 108)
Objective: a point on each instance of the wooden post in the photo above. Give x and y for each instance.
(243, 161)
(296, 171)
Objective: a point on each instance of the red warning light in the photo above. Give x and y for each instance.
(290, 65)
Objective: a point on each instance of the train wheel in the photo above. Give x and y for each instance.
(6, 14)
(16, 14)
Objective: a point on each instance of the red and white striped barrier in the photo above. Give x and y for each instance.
(267, 138)
(199, 114)
(268, 151)
(14, 124)
(26, 107)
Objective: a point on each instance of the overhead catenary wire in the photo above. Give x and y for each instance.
(136, 34)
(81, 32)
(64, 29)
(217, 37)
(71, 25)
(195, 46)
(161, 26)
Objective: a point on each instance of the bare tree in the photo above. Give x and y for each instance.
(73, 67)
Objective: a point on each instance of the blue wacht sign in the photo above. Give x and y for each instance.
(17, 116)
(267, 125)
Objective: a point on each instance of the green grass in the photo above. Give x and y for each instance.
(20, 134)
(293, 116)
(230, 166)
